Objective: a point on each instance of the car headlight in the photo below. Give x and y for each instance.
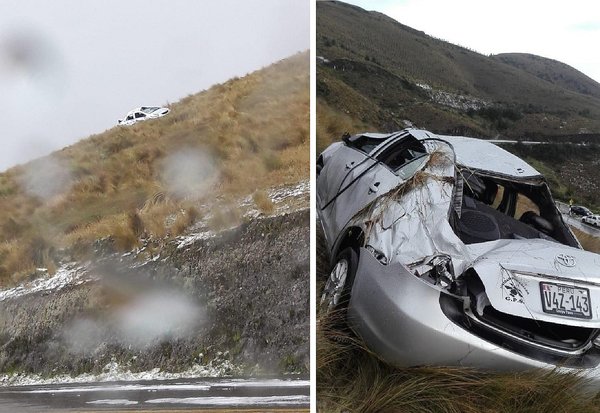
(380, 256)
(437, 269)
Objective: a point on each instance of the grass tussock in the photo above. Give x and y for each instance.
(184, 219)
(332, 123)
(263, 202)
(136, 182)
(126, 232)
(351, 379)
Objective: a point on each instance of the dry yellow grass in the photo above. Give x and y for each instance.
(254, 132)
(263, 202)
(184, 219)
(225, 217)
(332, 124)
(588, 242)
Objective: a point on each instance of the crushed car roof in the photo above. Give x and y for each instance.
(476, 154)
(486, 156)
(482, 155)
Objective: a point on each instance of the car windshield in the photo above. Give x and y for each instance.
(149, 109)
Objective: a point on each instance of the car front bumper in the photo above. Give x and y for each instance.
(399, 317)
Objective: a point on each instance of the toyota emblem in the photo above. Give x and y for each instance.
(566, 260)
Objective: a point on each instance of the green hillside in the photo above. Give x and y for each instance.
(402, 76)
(552, 71)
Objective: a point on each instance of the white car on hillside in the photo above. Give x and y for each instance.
(143, 113)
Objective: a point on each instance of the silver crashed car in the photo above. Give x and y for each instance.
(450, 251)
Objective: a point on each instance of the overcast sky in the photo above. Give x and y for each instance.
(71, 68)
(565, 31)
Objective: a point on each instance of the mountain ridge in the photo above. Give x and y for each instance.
(553, 71)
(534, 106)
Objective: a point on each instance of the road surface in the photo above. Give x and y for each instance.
(575, 221)
(283, 394)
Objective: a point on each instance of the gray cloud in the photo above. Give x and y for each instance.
(113, 56)
(587, 26)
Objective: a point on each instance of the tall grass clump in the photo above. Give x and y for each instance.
(263, 202)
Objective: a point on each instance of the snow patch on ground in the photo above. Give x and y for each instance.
(236, 401)
(278, 195)
(281, 197)
(195, 384)
(115, 372)
(113, 402)
(186, 240)
(67, 275)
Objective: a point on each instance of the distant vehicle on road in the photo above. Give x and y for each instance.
(143, 113)
(579, 210)
(593, 220)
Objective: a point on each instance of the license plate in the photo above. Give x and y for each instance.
(566, 300)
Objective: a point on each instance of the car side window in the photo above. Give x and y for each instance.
(402, 153)
(130, 117)
(363, 143)
(139, 115)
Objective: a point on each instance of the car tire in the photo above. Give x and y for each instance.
(337, 289)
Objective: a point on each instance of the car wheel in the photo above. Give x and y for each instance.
(336, 293)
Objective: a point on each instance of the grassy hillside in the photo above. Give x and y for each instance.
(401, 74)
(147, 180)
(571, 170)
(552, 71)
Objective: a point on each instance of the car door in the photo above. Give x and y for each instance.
(362, 184)
(140, 116)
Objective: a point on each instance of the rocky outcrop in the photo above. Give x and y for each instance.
(239, 298)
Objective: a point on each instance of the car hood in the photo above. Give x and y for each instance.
(158, 112)
(512, 270)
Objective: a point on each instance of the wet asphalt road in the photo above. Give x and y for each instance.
(575, 221)
(288, 394)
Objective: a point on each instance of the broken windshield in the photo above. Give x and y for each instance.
(404, 157)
